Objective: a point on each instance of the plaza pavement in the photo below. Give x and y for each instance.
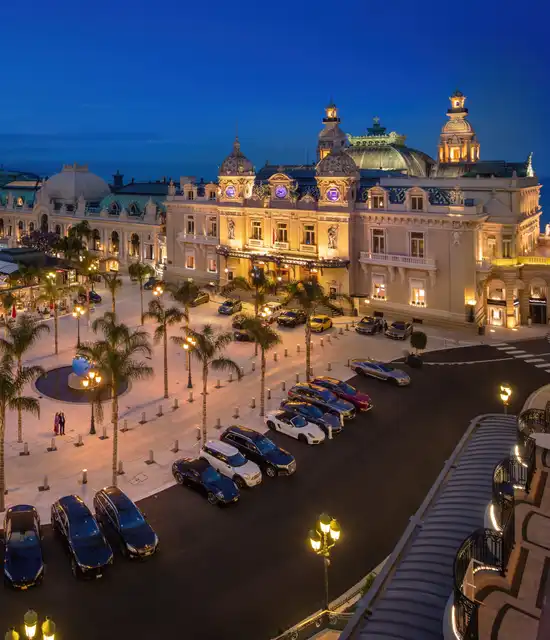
(63, 468)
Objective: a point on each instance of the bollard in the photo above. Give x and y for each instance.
(349, 363)
(353, 324)
(120, 470)
(311, 345)
(151, 458)
(176, 447)
(253, 403)
(242, 373)
(253, 367)
(79, 442)
(143, 418)
(329, 340)
(218, 423)
(45, 486)
(104, 435)
(218, 384)
(297, 348)
(52, 446)
(322, 341)
(275, 357)
(330, 432)
(329, 366)
(124, 426)
(297, 377)
(236, 414)
(198, 434)
(159, 412)
(286, 353)
(347, 326)
(283, 386)
(25, 451)
(230, 377)
(84, 476)
(190, 399)
(269, 394)
(176, 404)
(341, 332)
(311, 371)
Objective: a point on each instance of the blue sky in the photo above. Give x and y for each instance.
(159, 87)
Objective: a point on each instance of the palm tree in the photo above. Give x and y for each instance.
(7, 300)
(53, 294)
(208, 348)
(113, 283)
(185, 295)
(81, 230)
(164, 317)
(20, 337)
(310, 295)
(266, 338)
(261, 285)
(12, 383)
(141, 272)
(29, 275)
(118, 357)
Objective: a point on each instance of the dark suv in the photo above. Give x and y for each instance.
(323, 398)
(261, 450)
(291, 318)
(119, 516)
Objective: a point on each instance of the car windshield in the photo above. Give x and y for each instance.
(327, 395)
(312, 411)
(130, 516)
(367, 320)
(298, 422)
(84, 528)
(236, 460)
(25, 540)
(210, 475)
(347, 388)
(265, 445)
(398, 325)
(289, 314)
(316, 319)
(385, 367)
(227, 303)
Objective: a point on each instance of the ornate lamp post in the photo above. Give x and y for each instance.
(78, 312)
(158, 290)
(505, 393)
(92, 381)
(189, 345)
(322, 539)
(30, 627)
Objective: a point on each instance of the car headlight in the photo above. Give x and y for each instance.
(39, 572)
(131, 549)
(8, 574)
(219, 494)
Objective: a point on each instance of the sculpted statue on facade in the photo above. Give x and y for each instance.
(231, 229)
(333, 237)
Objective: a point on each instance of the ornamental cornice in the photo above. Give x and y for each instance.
(418, 221)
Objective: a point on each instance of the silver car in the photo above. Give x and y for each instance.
(380, 370)
(399, 330)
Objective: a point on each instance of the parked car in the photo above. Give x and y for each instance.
(271, 459)
(370, 325)
(314, 414)
(202, 298)
(242, 335)
(89, 551)
(291, 318)
(118, 515)
(323, 398)
(93, 296)
(198, 474)
(272, 311)
(380, 370)
(399, 330)
(230, 462)
(230, 306)
(320, 323)
(295, 425)
(152, 283)
(360, 401)
(23, 563)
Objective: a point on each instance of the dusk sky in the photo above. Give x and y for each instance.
(158, 88)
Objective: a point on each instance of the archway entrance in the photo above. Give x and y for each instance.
(44, 223)
(538, 293)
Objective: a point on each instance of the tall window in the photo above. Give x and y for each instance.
(309, 234)
(377, 202)
(213, 227)
(417, 203)
(492, 246)
(378, 286)
(212, 265)
(282, 232)
(190, 195)
(211, 195)
(191, 225)
(417, 244)
(506, 247)
(190, 261)
(256, 229)
(418, 293)
(378, 241)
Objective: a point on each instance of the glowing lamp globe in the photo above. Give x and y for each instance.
(81, 366)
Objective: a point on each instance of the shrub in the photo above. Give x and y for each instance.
(419, 340)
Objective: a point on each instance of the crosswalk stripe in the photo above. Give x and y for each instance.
(546, 364)
(523, 355)
(500, 344)
(535, 360)
(515, 351)
(506, 348)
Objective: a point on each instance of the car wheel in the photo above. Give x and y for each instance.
(123, 549)
(178, 477)
(302, 438)
(394, 382)
(211, 498)
(239, 482)
(270, 471)
(74, 568)
(330, 325)
(358, 371)
(271, 425)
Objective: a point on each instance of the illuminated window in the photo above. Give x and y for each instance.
(19, 202)
(282, 232)
(378, 241)
(212, 195)
(417, 203)
(378, 286)
(418, 293)
(492, 246)
(417, 244)
(190, 195)
(191, 225)
(213, 227)
(190, 261)
(377, 202)
(256, 229)
(506, 247)
(309, 234)
(212, 265)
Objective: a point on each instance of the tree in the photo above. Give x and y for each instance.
(164, 317)
(207, 350)
(20, 337)
(141, 272)
(185, 295)
(82, 230)
(259, 283)
(7, 300)
(419, 340)
(53, 294)
(45, 241)
(309, 295)
(118, 357)
(12, 383)
(113, 283)
(266, 338)
(29, 275)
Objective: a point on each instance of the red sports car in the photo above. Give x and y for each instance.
(345, 391)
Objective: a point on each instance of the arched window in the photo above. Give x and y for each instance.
(115, 243)
(134, 245)
(133, 209)
(31, 226)
(21, 225)
(2, 227)
(19, 202)
(44, 223)
(96, 240)
(58, 229)
(114, 209)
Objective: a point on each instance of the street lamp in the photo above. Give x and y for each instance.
(505, 393)
(158, 290)
(30, 621)
(30, 627)
(48, 629)
(78, 312)
(92, 381)
(189, 345)
(322, 539)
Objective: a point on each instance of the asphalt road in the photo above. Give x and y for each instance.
(246, 572)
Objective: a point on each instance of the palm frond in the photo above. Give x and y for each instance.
(26, 404)
(222, 363)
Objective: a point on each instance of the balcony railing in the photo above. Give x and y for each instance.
(397, 260)
(308, 248)
(281, 245)
(254, 242)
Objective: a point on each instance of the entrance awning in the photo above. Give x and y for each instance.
(280, 259)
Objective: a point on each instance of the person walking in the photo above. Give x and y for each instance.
(56, 424)
(62, 424)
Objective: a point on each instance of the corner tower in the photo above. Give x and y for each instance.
(458, 141)
(331, 137)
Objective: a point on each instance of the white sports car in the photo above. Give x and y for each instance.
(295, 426)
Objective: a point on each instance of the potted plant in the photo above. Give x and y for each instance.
(419, 340)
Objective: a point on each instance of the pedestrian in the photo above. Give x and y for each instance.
(56, 424)
(385, 326)
(62, 424)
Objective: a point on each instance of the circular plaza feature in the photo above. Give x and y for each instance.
(58, 384)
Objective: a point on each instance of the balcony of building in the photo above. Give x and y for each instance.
(397, 260)
(195, 238)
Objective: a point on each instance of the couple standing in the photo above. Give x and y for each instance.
(59, 424)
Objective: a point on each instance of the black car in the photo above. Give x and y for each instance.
(322, 398)
(89, 550)
(230, 306)
(242, 335)
(314, 414)
(119, 516)
(202, 298)
(23, 563)
(292, 318)
(200, 475)
(370, 325)
(94, 297)
(261, 450)
(151, 283)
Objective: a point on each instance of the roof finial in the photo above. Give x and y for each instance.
(529, 171)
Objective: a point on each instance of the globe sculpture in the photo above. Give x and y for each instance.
(81, 366)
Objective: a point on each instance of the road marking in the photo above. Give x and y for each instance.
(546, 364)
(515, 352)
(506, 348)
(535, 360)
(500, 344)
(524, 355)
